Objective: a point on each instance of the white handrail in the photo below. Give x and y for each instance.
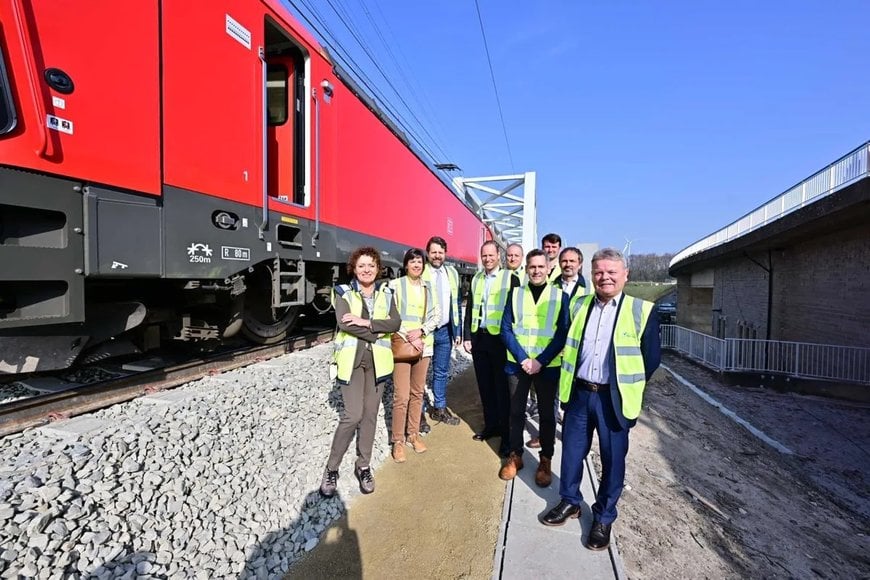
(839, 174)
(795, 359)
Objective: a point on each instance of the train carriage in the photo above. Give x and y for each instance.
(189, 170)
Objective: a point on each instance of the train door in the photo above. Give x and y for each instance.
(285, 130)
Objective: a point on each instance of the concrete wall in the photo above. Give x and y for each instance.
(822, 289)
(740, 297)
(694, 306)
(821, 293)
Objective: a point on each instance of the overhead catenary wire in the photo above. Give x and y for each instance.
(345, 19)
(308, 12)
(495, 86)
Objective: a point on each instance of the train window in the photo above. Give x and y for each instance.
(276, 85)
(8, 119)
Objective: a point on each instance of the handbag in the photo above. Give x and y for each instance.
(403, 350)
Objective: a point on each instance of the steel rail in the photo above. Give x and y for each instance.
(40, 410)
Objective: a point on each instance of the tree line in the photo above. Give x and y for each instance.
(650, 267)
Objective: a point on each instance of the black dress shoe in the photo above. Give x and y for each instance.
(599, 537)
(560, 513)
(484, 435)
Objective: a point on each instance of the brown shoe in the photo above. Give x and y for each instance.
(534, 443)
(513, 464)
(417, 443)
(399, 452)
(544, 475)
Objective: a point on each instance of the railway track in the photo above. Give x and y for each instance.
(35, 411)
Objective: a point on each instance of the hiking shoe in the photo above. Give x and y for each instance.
(513, 464)
(328, 483)
(544, 474)
(443, 415)
(399, 452)
(424, 425)
(417, 444)
(366, 479)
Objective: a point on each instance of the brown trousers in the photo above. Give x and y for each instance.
(409, 382)
(362, 399)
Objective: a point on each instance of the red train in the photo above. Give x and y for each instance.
(189, 169)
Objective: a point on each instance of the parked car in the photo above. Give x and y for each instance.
(667, 311)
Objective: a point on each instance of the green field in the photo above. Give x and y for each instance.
(647, 290)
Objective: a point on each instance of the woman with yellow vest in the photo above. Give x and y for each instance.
(420, 317)
(366, 316)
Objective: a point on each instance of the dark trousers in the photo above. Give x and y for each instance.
(490, 356)
(362, 400)
(545, 384)
(587, 412)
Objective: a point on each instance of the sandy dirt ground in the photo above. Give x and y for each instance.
(706, 499)
(435, 516)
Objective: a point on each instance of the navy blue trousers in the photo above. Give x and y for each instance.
(587, 412)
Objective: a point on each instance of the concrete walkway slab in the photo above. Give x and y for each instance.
(530, 549)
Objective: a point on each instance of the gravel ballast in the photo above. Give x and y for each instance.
(215, 479)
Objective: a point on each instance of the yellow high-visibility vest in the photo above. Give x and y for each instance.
(411, 304)
(345, 344)
(453, 278)
(630, 372)
(490, 315)
(535, 324)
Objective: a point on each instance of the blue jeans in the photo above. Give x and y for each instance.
(441, 365)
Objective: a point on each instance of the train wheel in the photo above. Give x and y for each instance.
(260, 322)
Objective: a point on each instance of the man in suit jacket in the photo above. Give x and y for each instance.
(444, 281)
(612, 350)
(571, 281)
(552, 245)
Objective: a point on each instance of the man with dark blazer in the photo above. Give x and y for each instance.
(612, 350)
(573, 284)
(481, 338)
(571, 280)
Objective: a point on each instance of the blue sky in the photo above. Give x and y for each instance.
(660, 122)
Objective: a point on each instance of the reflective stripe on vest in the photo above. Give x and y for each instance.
(410, 305)
(453, 278)
(630, 372)
(535, 324)
(495, 303)
(345, 344)
(576, 300)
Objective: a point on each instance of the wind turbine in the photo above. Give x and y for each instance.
(626, 251)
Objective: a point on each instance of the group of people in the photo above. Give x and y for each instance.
(532, 326)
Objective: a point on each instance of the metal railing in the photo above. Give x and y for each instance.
(795, 359)
(839, 174)
(709, 350)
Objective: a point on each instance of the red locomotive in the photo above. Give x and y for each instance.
(189, 169)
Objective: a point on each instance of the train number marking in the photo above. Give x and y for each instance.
(238, 32)
(199, 253)
(232, 253)
(119, 265)
(59, 124)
